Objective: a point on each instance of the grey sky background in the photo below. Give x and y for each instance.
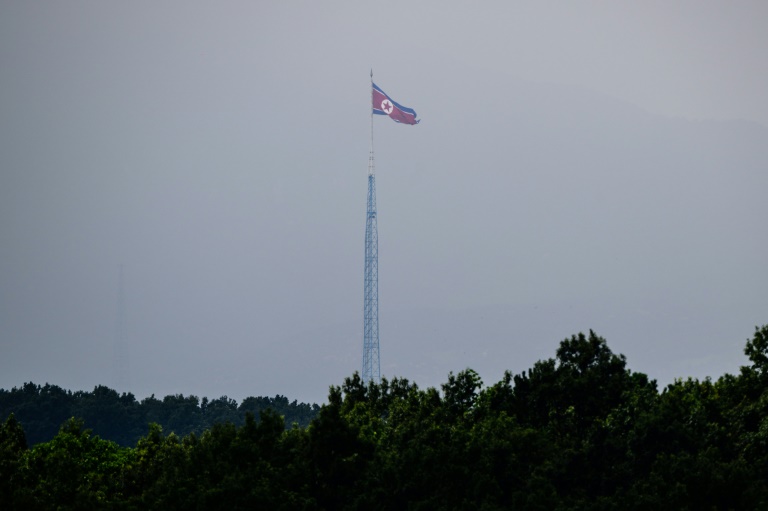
(582, 165)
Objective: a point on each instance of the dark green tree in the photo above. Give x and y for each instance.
(339, 455)
(75, 470)
(13, 445)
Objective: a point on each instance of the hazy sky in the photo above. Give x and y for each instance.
(579, 165)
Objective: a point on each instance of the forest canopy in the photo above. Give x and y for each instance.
(579, 431)
(41, 409)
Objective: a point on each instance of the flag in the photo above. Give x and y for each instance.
(383, 105)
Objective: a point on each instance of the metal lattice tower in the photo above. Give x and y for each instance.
(371, 362)
(122, 381)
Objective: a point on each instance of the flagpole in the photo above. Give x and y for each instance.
(370, 157)
(371, 362)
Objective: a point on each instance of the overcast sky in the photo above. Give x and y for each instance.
(580, 165)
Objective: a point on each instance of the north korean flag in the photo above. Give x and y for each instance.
(383, 105)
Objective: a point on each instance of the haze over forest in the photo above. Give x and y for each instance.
(577, 167)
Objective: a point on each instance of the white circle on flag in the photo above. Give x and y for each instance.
(387, 106)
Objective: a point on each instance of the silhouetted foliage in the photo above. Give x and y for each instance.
(121, 418)
(576, 432)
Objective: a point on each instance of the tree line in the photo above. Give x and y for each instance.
(41, 410)
(579, 431)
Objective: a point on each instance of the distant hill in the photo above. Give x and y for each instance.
(41, 410)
